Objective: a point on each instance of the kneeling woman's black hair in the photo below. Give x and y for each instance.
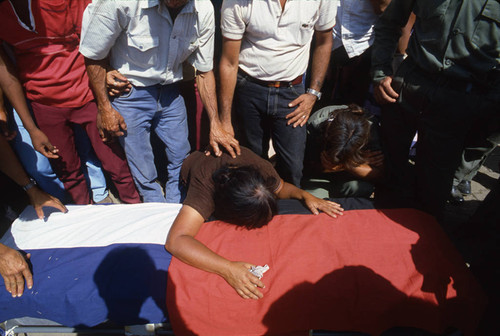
(243, 197)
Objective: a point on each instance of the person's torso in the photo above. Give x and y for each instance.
(46, 50)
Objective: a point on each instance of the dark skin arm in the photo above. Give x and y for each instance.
(320, 61)
(219, 135)
(14, 92)
(109, 122)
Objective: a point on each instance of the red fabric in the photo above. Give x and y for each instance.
(367, 271)
(49, 63)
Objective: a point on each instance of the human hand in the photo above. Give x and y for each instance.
(4, 125)
(116, 83)
(15, 271)
(374, 158)
(383, 91)
(223, 136)
(244, 283)
(305, 103)
(315, 204)
(39, 199)
(110, 124)
(42, 144)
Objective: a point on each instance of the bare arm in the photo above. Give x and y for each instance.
(14, 92)
(181, 242)
(320, 61)
(228, 71)
(10, 166)
(218, 134)
(312, 202)
(109, 122)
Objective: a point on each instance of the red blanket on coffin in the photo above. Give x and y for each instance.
(366, 271)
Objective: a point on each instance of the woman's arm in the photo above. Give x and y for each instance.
(182, 244)
(312, 202)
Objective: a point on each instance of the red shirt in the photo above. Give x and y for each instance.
(49, 64)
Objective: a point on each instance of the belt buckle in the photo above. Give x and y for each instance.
(275, 84)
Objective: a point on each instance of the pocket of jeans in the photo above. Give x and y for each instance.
(240, 81)
(125, 95)
(297, 90)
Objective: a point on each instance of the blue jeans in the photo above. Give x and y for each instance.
(38, 166)
(158, 108)
(262, 111)
(91, 166)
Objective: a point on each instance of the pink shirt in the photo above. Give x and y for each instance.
(49, 64)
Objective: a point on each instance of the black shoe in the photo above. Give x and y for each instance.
(464, 187)
(456, 197)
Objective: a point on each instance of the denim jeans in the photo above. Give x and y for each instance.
(38, 166)
(158, 108)
(262, 111)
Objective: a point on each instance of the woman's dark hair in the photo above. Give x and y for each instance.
(243, 197)
(345, 133)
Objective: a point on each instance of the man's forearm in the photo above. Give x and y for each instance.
(387, 34)
(96, 71)
(205, 82)
(321, 59)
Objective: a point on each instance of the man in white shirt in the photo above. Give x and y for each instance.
(147, 42)
(353, 35)
(265, 54)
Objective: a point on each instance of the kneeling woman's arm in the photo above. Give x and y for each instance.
(182, 245)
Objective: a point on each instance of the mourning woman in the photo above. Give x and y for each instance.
(241, 191)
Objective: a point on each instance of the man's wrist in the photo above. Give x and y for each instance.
(314, 93)
(32, 183)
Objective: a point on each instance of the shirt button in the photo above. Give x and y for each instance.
(456, 32)
(174, 37)
(447, 62)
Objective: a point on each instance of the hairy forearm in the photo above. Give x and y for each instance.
(96, 71)
(321, 59)
(205, 82)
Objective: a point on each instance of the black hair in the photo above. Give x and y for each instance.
(244, 197)
(344, 134)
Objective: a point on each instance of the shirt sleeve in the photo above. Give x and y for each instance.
(328, 13)
(101, 25)
(234, 18)
(202, 58)
(387, 34)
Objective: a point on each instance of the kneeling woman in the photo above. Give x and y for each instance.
(343, 153)
(240, 191)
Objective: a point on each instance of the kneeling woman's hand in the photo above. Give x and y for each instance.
(238, 275)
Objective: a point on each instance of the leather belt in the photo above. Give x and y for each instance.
(275, 84)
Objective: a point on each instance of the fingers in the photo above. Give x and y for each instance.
(19, 285)
(28, 277)
(39, 211)
(330, 208)
(216, 148)
(56, 203)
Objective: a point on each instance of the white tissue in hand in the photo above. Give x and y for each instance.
(259, 271)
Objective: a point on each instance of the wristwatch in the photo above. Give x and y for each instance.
(30, 185)
(314, 93)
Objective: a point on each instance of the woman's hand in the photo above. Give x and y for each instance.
(244, 283)
(315, 204)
